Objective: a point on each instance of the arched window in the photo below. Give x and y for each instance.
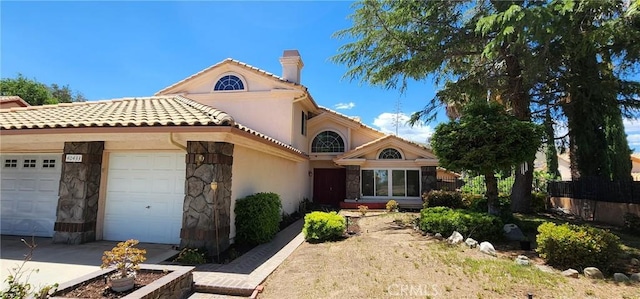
(327, 142)
(390, 153)
(229, 82)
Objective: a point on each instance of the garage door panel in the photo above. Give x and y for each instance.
(48, 185)
(8, 184)
(142, 201)
(27, 185)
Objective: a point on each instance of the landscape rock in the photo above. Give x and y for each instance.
(635, 262)
(438, 236)
(471, 243)
(487, 248)
(545, 268)
(620, 277)
(522, 260)
(455, 238)
(512, 232)
(570, 273)
(635, 277)
(593, 273)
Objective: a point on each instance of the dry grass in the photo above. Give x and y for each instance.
(390, 259)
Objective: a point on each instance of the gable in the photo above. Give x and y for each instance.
(369, 154)
(252, 78)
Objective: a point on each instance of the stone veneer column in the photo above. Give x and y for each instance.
(207, 162)
(353, 181)
(78, 194)
(429, 178)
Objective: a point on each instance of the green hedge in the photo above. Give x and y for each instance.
(439, 198)
(479, 226)
(257, 218)
(322, 226)
(577, 246)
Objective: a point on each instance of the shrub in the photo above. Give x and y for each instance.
(392, 205)
(363, 210)
(438, 198)
(632, 222)
(257, 218)
(191, 256)
(480, 204)
(538, 201)
(577, 246)
(322, 226)
(444, 220)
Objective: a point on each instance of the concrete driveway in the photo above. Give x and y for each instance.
(58, 263)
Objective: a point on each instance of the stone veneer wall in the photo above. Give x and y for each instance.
(207, 162)
(353, 181)
(429, 178)
(77, 209)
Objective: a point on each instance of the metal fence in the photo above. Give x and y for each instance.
(597, 189)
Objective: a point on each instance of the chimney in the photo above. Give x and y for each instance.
(291, 65)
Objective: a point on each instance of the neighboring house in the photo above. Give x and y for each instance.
(12, 102)
(162, 168)
(564, 165)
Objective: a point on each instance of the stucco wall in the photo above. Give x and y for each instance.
(260, 111)
(607, 212)
(255, 172)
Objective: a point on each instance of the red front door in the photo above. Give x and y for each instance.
(329, 185)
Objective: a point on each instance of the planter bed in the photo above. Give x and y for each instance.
(173, 282)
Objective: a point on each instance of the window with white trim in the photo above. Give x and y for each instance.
(10, 163)
(49, 163)
(390, 153)
(390, 182)
(29, 163)
(229, 82)
(327, 142)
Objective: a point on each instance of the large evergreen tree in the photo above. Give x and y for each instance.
(36, 93)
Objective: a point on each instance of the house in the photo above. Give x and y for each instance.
(564, 165)
(169, 168)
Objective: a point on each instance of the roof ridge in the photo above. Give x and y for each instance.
(237, 62)
(213, 113)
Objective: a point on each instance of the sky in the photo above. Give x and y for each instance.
(109, 50)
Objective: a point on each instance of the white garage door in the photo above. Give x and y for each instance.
(145, 195)
(29, 194)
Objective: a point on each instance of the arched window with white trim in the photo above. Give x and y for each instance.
(327, 142)
(229, 82)
(390, 154)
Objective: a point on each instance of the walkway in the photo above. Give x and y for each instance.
(243, 275)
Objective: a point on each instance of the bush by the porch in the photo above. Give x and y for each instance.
(439, 198)
(322, 226)
(479, 226)
(257, 218)
(577, 246)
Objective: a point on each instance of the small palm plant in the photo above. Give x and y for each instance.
(126, 258)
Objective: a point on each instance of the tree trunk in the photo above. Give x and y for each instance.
(492, 193)
(521, 190)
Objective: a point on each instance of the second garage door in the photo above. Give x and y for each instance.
(145, 195)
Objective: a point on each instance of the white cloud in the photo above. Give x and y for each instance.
(344, 106)
(386, 122)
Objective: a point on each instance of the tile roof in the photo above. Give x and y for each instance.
(126, 112)
(17, 99)
(236, 62)
(381, 139)
(354, 119)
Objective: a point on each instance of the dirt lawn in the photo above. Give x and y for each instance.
(391, 260)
